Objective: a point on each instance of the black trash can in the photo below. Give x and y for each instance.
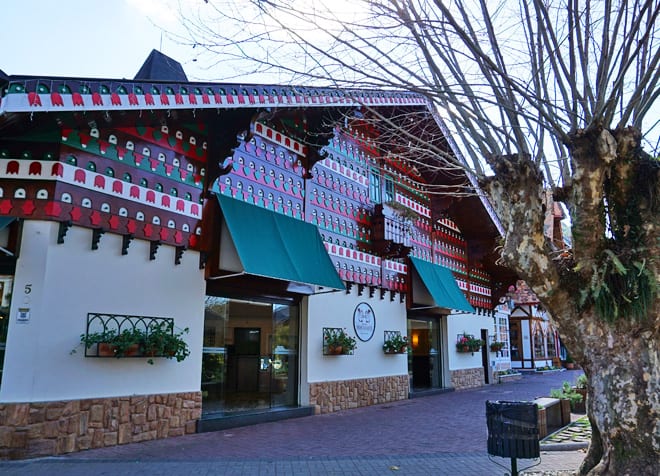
(513, 430)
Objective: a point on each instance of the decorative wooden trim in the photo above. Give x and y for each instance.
(289, 143)
(178, 254)
(125, 243)
(63, 229)
(153, 249)
(97, 233)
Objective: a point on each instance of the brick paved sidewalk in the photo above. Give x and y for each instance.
(555, 463)
(440, 434)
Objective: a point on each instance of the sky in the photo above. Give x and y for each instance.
(99, 38)
(92, 38)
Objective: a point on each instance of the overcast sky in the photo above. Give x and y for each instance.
(90, 38)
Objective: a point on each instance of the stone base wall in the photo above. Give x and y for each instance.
(507, 378)
(29, 430)
(467, 378)
(328, 397)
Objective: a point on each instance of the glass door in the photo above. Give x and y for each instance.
(284, 356)
(5, 304)
(250, 356)
(424, 363)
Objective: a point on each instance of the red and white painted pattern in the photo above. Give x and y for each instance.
(345, 171)
(55, 101)
(446, 222)
(475, 288)
(27, 169)
(417, 207)
(400, 268)
(272, 135)
(354, 255)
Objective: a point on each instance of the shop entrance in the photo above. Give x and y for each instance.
(425, 363)
(250, 356)
(5, 304)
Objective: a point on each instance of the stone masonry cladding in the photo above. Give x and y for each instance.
(29, 430)
(328, 397)
(467, 378)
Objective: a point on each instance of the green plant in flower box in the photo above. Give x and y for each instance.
(92, 338)
(396, 344)
(162, 341)
(467, 343)
(568, 392)
(113, 343)
(496, 346)
(337, 341)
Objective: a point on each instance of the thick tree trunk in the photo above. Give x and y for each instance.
(613, 204)
(624, 397)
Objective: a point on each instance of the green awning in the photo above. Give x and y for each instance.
(276, 246)
(441, 285)
(6, 221)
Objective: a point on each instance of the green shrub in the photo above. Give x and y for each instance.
(567, 391)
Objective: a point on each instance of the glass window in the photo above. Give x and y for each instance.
(248, 364)
(552, 348)
(539, 343)
(374, 187)
(389, 190)
(502, 334)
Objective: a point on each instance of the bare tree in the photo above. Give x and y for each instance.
(548, 93)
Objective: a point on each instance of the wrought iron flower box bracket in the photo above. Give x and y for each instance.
(141, 327)
(335, 342)
(389, 337)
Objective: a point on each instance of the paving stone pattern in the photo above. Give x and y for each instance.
(439, 434)
(578, 431)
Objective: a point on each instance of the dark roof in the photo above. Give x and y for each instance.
(160, 67)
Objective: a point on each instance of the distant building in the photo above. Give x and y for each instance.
(255, 220)
(534, 342)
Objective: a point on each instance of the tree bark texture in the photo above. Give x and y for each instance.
(614, 204)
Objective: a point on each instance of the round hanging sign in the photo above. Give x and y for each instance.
(364, 322)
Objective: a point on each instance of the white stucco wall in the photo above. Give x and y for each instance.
(336, 310)
(470, 324)
(65, 282)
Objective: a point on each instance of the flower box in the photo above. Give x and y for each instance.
(106, 349)
(467, 343)
(395, 343)
(496, 346)
(133, 336)
(337, 342)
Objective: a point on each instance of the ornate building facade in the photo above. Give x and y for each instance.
(254, 221)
